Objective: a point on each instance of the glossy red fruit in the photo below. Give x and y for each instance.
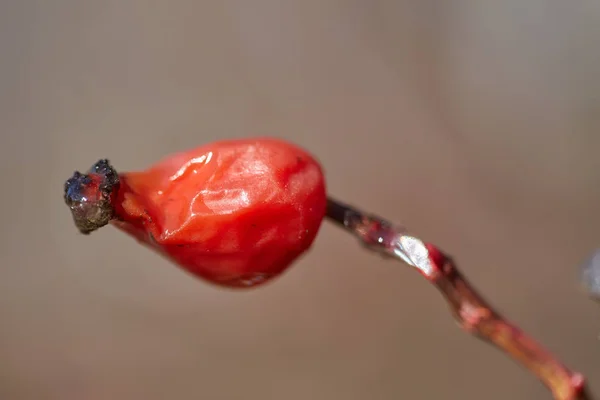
(236, 213)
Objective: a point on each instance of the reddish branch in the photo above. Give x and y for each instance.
(471, 311)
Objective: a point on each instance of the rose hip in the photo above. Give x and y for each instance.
(236, 213)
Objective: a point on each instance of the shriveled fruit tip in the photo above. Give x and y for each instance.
(90, 196)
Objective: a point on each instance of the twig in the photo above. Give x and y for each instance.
(471, 311)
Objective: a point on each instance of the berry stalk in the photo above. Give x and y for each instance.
(467, 306)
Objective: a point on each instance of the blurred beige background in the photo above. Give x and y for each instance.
(473, 123)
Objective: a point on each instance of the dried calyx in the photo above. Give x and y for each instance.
(90, 196)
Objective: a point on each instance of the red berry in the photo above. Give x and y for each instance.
(236, 213)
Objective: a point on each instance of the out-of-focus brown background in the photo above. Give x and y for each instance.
(474, 123)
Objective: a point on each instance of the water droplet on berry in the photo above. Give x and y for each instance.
(249, 280)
